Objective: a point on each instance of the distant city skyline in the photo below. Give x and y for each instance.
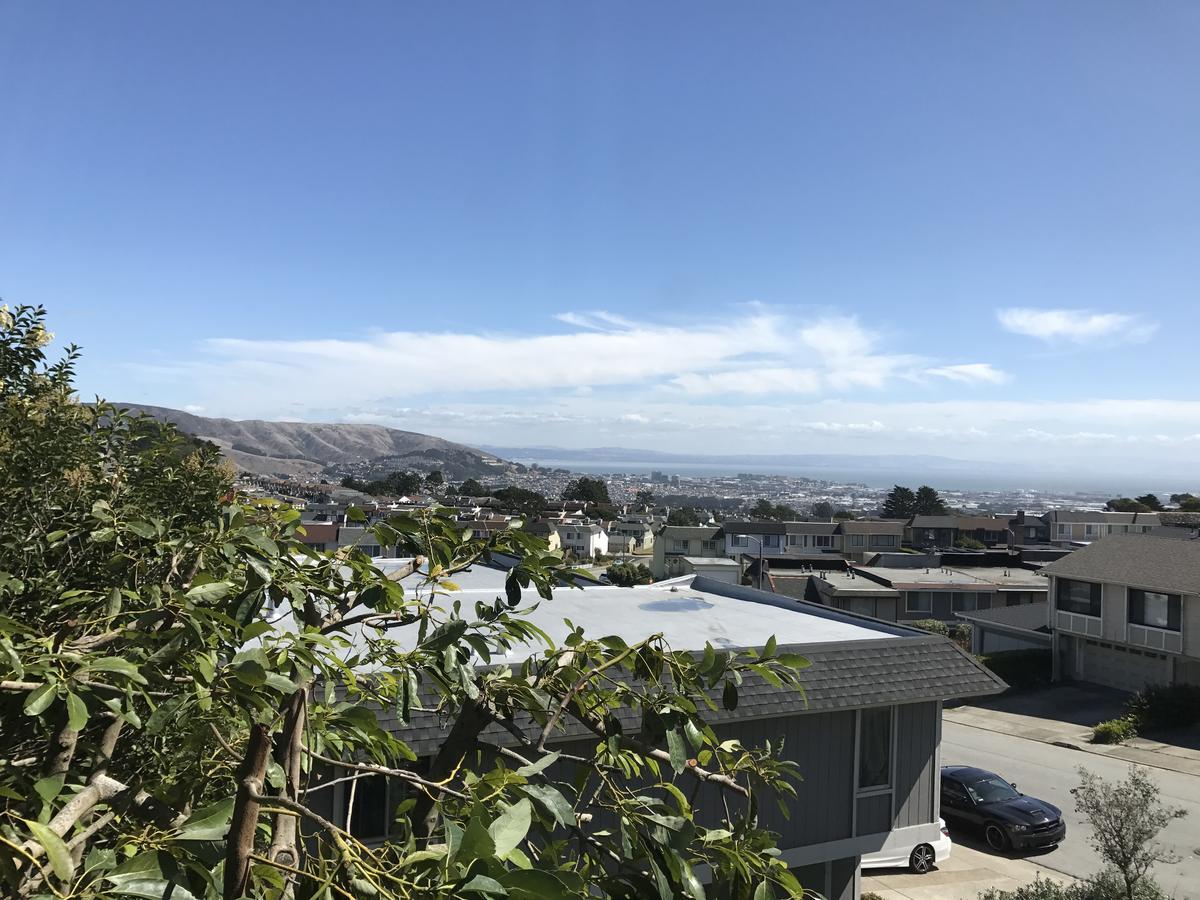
(965, 230)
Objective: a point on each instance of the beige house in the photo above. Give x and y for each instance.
(673, 542)
(1071, 527)
(1125, 612)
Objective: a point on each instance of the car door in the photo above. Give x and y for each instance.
(957, 803)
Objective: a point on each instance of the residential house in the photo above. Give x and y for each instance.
(927, 592)
(1002, 628)
(319, 535)
(865, 735)
(1071, 527)
(862, 538)
(946, 531)
(673, 542)
(547, 532)
(1125, 612)
(585, 541)
(1028, 530)
(638, 533)
(781, 539)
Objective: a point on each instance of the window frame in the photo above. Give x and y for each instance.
(1095, 601)
(1174, 616)
(908, 607)
(889, 715)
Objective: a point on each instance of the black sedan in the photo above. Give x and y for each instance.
(1009, 819)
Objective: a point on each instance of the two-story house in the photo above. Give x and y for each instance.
(585, 541)
(638, 534)
(674, 542)
(865, 735)
(781, 539)
(1125, 612)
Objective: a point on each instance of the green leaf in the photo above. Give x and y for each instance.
(677, 749)
(150, 888)
(540, 766)
(280, 683)
(56, 851)
(481, 884)
(116, 666)
(476, 843)
(511, 827)
(694, 735)
(763, 891)
(37, 701)
(552, 802)
(255, 629)
(209, 823)
(205, 593)
(77, 712)
(445, 635)
(769, 648)
(49, 788)
(793, 660)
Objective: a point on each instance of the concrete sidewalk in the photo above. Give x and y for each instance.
(1063, 715)
(962, 877)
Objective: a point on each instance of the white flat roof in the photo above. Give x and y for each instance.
(688, 611)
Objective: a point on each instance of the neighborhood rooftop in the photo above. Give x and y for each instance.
(1146, 561)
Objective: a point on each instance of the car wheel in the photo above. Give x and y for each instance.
(997, 837)
(921, 860)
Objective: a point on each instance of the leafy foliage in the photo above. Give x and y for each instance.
(775, 512)
(629, 574)
(1162, 706)
(587, 490)
(1125, 819)
(181, 678)
(928, 503)
(1115, 731)
(684, 515)
(900, 503)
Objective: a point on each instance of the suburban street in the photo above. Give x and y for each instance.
(1049, 772)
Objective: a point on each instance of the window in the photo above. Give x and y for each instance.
(823, 540)
(678, 546)
(1155, 610)
(963, 602)
(369, 817)
(711, 546)
(739, 540)
(919, 601)
(883, 540)
(793, 540)
(858, 540)
(875, 748)
(1064, 530)
(1081, 597)
(770, 540)
(1090, 530)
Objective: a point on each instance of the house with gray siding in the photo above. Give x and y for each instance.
(1068, 528)
(865, 733)
(673, 542)
(863, 538)
(1125, 612)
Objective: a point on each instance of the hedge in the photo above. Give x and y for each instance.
(1022, 669)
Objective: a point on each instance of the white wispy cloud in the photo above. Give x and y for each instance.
(970, 373)
(1077, 326)
(750, 353)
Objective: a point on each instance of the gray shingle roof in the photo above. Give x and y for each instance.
(754, 528)
(1026, 616)
(873, 526)
(1140, 560)
(846, 675)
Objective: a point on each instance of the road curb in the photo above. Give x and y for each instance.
(1069, 746)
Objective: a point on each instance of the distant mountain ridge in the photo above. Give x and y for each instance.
(307, 448)
(816, 460)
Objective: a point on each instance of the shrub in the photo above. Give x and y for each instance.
(1022, 669)
(1040, 889)
(961, 632)
(934, 626)
(969, 543)
(1115, 731)
(1163, 706)
(629, 574)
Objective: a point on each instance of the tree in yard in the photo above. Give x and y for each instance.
(776, 512)
(1150, 501)
(529, 504)
(182, 681)
(928, 503)
(1126, 504)
(435, 479)
(823, 509)
(844, 514)
(685, 515)
(587, 490)
(644, 498)
(472, 488)
(629, 574)
(1125, 819)
(900, 503)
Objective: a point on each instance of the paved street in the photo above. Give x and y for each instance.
(1048, 772)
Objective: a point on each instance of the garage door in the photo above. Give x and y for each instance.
(1128, 670)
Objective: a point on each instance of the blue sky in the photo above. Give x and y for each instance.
(958, 228)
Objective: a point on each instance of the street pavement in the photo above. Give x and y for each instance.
(1048, 772)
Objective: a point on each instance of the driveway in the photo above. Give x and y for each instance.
(963, 876)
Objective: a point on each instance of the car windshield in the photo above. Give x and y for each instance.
(992, 789)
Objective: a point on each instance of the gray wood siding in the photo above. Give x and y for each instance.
(874, 814)
(916, 741)
(822, 746)
(843, 879)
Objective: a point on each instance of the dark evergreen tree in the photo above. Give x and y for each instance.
(900, 503)
(928, 503)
